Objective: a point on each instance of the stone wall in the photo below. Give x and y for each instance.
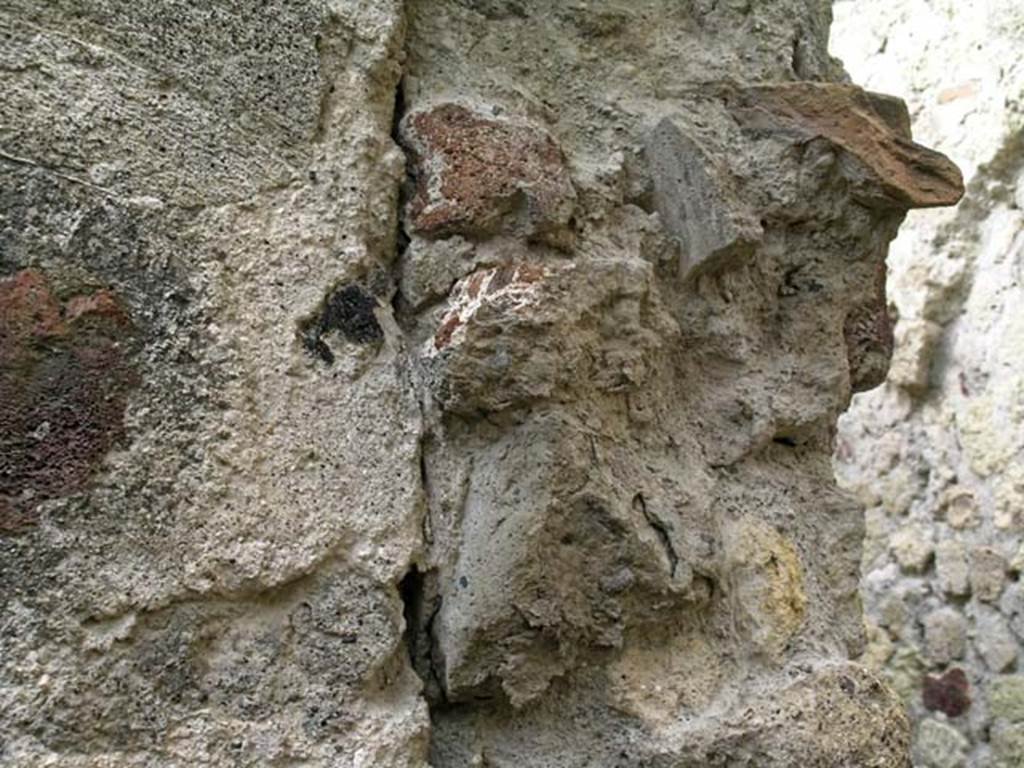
(443, 381)
(937, 453)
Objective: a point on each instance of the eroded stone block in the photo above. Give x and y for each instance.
(525, 332)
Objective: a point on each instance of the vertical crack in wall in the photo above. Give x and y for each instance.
(418, 589)
(660, 530)
(421, 605)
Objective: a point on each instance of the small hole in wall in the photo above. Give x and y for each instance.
(399, 109)
(789, 442)
(796, 62)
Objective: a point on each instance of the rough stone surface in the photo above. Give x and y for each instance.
(940, 745)
(449, 383)
(212, 578)
(945, 635)
(939, 448)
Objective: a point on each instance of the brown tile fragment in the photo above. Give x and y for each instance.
(872, 128)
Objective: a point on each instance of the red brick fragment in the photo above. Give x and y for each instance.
(512, 279)
(478, 176)
(447, 329)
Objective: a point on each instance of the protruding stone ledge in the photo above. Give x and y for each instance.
(890, 171)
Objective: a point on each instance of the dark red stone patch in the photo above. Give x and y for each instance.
(948, 693)
(64, 381)
(477, 176)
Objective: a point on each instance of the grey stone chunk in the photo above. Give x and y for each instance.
(694, 199)
(995, 642)
(988, 573)
(913, 547)
(960, 507)
(945, 634)
(1006, 697)
(940, 745)
(1007, 741)
(951, 567)
(1011, 605)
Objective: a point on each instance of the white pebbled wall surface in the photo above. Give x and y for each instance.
(937, 452)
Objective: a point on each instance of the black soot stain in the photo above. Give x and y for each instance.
(347, 310)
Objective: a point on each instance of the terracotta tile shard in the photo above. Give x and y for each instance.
(948, 693)
(64, 382)
(962, 91)
(891, 170)
(478, 176)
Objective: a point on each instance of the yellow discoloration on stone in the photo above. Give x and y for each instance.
(767, 584)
